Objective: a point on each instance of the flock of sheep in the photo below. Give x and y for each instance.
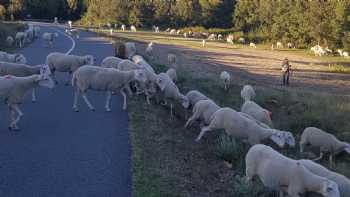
(129, 73)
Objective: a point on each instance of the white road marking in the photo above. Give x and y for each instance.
(73, 41)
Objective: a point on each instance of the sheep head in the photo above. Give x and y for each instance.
(140, 75)
(288, 138)
(278, 138)
(89, 59)
(19, 58)
(184, 101)
(329, 188)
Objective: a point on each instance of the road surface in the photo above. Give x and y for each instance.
(61, 153)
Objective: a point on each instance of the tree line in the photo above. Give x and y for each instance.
(302, 22)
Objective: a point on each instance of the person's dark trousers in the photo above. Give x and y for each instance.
(285, 78)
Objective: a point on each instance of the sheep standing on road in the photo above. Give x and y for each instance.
(9, 41)
(105, 79)
(123, 27)
(204, 43)
(149, 51)
(48, 38)
(13, 90)
(283, 174)
(20, 39)
(67, 63)
(13, 58)
(326, 142)
(225, 77)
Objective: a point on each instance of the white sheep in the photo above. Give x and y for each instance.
(248, 93)
(290, 45)
(172, 60)
(203, 110)
(252, 44)
(111, 62)
(9, 41)
(123, 27)
(14, 58)
(257, 112)
(284, 174)
(173, 31)
(279, 45)
(225, 77)
(48, 38)
(239, 126)
(340, 52)
(13, 90)
(130, 49)
(241, 40)
(133, 28)
(149, 51)
(220, 37)
(67, 63)
(326, 142)
(20, 39)
(172, 74)
(169, 91)
(36, 31)
(345, 54)
(342, 181)
(193, 97)
(105, 79)
(229, 39)
(204, 43)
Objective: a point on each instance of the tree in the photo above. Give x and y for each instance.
(2, 12)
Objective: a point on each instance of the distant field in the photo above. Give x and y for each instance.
(8, 29)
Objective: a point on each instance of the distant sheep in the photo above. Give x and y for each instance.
(252, 44)
(133, 28)
(9, 41)
(248, 93)
(225, 77)
(48, 38)
(13, 58)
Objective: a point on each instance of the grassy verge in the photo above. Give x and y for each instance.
(167, 161)
(8, 29)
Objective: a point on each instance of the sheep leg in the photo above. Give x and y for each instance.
(108, 101)
(171, 111)
(331, 160)
(128, 89)
(15, 109)
(33, 96)
(320, 157)
(76, 97)
(124, 97)
(69, 79)
(13, 117)
(301, 147)
(87, 101)
(203, 131)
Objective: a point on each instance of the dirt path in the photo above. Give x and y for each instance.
(260, 67)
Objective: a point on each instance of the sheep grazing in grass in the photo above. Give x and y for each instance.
(111, 62)
(149, 51)
(203, 110)
(195, 96)
(225, 77)
(13, 90)
(133, 28)
(284, 174)
(290, 45)
(241, 40)
(318, 50)
(169, 91)
(248, 93)
(173, 31)
(123, 27)
(14, 58)
(20, 39)
(256, 111)
(67, 63)
(229, 39)
(279, 45)
(345, 54)
(342, 181)
(326, 142)
(241, 127)
(48, 38)
(172, 74)
(212, 37)
(252, 44)
(9, 41)
(172, 60)
(105, 79)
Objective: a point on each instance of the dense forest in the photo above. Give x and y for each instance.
(303, 22)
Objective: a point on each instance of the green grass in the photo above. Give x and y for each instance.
(8, 29)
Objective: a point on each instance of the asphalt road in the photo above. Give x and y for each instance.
(63, 153)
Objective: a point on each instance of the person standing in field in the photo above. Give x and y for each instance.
(286, 69)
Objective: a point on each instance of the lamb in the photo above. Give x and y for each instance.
(345, 54)
(340, 52)
(252, 44)
(49, 38)
(149, 51)
(248, 93)
(285, 175)
(29, 34)
(172, 74)
(239, 126)
(170, 91)
(172, 59)
(342, 181)
(20, 39)
(279, 45)
(257, 112)
(204, 43)
(326, 142)
(111, 62)
(130, 49)
(133, 28)
(106, 79)
(225, 77)
(13, 90)
(142, 62)
(9, 41)
(14, 58)
(203, 110)
(67, 63)
(193, 97)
